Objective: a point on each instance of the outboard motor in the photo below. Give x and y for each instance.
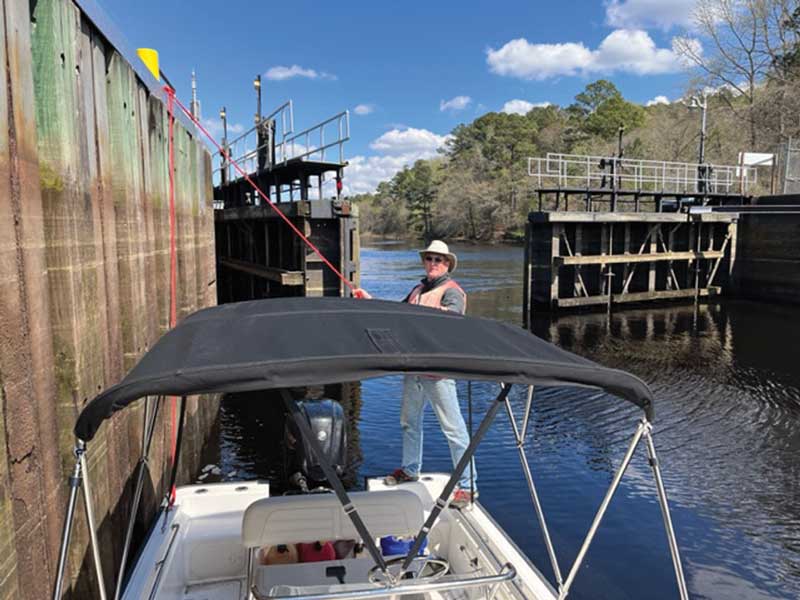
(326, 419)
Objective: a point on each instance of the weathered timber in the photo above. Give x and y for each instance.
(282, 276)
(653, 256)
(637, 297)
(84, 273)
(578, 259)
(259, 256)
(768, 257)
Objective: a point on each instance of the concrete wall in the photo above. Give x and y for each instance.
(84, 273)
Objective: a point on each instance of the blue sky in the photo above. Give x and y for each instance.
(414, 69)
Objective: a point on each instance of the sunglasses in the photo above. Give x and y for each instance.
(435, 259)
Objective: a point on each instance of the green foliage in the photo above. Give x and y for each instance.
(594, 95)
(610, 115)
(480, 189)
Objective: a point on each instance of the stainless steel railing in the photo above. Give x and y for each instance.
(316, 143)
(604, 172)
(508, 573)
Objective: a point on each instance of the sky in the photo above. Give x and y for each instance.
(410, 71)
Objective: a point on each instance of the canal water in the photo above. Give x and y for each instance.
(727, 429)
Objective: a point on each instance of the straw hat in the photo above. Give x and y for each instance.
(439, 247)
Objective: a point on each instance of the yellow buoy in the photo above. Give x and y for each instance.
(150, 59)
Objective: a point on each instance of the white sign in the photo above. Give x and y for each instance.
(756, 159)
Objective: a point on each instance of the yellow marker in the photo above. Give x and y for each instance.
(150, 59)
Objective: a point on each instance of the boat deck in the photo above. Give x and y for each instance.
(199, 554)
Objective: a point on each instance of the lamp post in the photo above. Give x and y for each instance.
(257, 86)
(702, 171)
(224, 172)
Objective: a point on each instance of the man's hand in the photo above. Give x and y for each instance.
(360, 293)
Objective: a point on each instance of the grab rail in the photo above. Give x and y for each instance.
(507, 573)
(159, 566)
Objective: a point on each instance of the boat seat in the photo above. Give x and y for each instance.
(320, 517)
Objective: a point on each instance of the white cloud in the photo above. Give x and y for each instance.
(364, 109)
(657, 100)
(642, 14)
(280, 73)
(457, 103)
(625, 50)
(364, 173)
(419, 142)
(398, 149)
(521, 107)
(214, 127)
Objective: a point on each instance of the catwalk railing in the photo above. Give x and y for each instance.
(273, 142)
(574, 171)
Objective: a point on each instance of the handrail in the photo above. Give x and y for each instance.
(286, 145)
(160, 563)
(342, 121)
(627, 174)
(507, 573)
(247, 157)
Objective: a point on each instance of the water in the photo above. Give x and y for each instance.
(727, 431)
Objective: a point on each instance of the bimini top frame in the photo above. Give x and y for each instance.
(303, 341)
(289, 342)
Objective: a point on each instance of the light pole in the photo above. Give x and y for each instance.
(702, 171)
(257, 86)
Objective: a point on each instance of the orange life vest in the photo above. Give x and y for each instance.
(433, 298)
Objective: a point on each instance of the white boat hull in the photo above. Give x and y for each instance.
(195, 552)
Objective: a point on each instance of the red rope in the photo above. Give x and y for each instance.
(173, 271)
(241, 171)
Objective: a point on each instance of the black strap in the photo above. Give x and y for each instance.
(338, 488)
(441, 502)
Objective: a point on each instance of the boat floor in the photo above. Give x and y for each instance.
(202, 557)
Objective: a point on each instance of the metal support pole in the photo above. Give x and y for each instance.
(147, 438)
(89, 506)
(330, 473)
(609, 268)
(662, 500)
(472, 460)
(441, 501)
(602, 510)
(74, 483)
(532, 488)
(173, 476)
(526, 416)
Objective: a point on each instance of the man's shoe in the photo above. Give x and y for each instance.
(462, 498)
(399, 476)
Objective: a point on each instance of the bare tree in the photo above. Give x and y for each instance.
(740, 49)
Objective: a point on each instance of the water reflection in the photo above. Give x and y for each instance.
(727, 407)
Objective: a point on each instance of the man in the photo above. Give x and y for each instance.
(436, 290)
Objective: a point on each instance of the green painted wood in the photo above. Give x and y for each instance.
(91, 137)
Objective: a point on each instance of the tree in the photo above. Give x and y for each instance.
(750, 42)
(416, 187)
(612, 114)
(599, 110)
(594, 95)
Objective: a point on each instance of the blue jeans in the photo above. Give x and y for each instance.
(441, 393)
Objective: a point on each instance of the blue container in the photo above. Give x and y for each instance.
(393, 546)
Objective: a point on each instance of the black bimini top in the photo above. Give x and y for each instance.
(288, 342)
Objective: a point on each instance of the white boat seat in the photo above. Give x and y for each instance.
(320, 517)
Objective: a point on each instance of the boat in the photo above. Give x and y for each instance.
(209, 541)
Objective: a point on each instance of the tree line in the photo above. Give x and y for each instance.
(478, 187)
